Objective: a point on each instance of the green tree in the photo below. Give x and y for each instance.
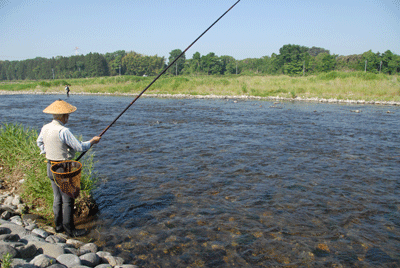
(179, 64)
(20, 70)
(133, 64)
(253, 65)
(230, 65)
(138, 64)
(274, 65)
(2, 71)
(315, 51)
(155, 64)
(211, 64)
(292, 59)
(394, 64)
(323, 63)
(96, 65)
(371, 61)
(11, 70)
(348, 63)
(115, 62)
(193, 64)
(390, 62)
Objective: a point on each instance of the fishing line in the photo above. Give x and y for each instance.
(158, 76)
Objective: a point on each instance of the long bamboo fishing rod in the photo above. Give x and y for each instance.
(158, 76)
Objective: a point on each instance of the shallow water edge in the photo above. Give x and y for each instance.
(185, 96)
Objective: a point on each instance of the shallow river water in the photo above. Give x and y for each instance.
(225, 183)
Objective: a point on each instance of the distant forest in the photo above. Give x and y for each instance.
(294, 60)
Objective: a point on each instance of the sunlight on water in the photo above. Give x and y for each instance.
(218, 183)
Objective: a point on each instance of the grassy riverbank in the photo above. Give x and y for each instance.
(20, 160)
(333, 85)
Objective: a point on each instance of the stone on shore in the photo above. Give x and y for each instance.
(90, 259)
(69, 260)
(43, 261)
(33, 247)
(48, 249)
(7, 249)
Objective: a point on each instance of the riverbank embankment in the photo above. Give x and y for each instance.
(346, 87)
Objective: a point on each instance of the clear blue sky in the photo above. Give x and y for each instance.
(254, 28)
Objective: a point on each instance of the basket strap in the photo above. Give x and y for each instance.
(52, 162)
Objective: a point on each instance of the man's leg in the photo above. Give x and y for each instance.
(57, 201)
(68, 212)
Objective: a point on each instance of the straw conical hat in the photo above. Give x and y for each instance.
(60, 107)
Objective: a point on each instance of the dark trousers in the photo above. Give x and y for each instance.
(63, 205)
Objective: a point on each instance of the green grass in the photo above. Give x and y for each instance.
(20, 159)
(6, 260)
(338, 85)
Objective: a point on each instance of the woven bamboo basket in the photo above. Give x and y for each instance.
(67, 175)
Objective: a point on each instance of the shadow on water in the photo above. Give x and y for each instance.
(139, 213)
(218, 183)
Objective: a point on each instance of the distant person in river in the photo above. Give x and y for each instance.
(59, 144)
(67, 89)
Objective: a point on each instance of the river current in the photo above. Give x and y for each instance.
(234, 183)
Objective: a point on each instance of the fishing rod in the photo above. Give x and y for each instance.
(158, 76)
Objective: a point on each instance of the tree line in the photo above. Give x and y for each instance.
(292, 60)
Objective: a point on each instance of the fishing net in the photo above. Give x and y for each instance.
(67, 175)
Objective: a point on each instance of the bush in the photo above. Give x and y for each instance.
(58, 83)
(44, 84)
(343, 75)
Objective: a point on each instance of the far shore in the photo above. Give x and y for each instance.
(187, 96)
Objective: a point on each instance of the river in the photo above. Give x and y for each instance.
(238, 183)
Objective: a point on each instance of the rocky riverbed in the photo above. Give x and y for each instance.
(24, 244)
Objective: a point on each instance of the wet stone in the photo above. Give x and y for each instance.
(69, 260)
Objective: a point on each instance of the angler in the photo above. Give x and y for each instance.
(59, 144)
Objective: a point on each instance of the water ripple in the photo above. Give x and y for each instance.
(218, 183)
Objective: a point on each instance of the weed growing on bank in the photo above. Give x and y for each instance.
(20, 159)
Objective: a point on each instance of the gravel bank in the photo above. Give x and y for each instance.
(29, 246)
